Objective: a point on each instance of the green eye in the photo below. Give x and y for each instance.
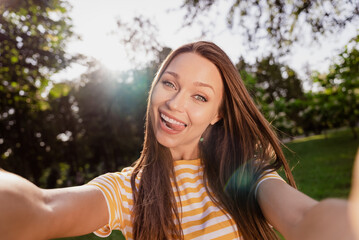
(200, 98)
(168, 84)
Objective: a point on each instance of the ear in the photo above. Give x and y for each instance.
(216, 118)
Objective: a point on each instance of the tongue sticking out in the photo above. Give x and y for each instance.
(174, 126)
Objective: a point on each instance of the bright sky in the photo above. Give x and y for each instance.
(94, 20)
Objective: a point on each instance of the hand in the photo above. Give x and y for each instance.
(354, 198)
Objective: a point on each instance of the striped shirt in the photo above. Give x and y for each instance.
(200, 217)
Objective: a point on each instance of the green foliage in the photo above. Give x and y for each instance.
(279, 95)
(62, 134)
(33, 36)
(112, 110)
(83, 130)
(280, 22)
(59, 89)
(277, 91)
(338, 101)
(32, 40)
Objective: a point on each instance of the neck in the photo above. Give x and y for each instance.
(185, 153)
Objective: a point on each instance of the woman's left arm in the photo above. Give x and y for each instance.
(298, 216)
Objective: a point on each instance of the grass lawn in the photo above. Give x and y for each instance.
(321, 164)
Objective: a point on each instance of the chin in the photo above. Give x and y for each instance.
(168, 143)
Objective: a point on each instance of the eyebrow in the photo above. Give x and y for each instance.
(200, 84)
(175, 75)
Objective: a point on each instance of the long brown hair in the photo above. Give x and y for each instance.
(236, 153)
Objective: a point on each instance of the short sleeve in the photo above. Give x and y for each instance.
(112, 186)
(267, 176)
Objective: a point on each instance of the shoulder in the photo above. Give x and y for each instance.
(267, 175)
(120, 179)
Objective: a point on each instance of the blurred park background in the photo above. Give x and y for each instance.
(67, 116)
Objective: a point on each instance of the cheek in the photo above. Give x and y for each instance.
(202, 116)
(158, 96)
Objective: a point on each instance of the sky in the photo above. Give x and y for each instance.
(94, 20)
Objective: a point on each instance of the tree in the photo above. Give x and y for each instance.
(63, 134)
(277, 91)
(316, 114)
(282, 22)
(277, 79)
(33, 35)
(341, 88)
(139, 36)
(112, 108)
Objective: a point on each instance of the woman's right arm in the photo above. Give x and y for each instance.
(29, 212)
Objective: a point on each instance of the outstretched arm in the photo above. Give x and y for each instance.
(297, 216)
(354, 199)
(29, 212)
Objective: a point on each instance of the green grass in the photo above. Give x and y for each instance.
(321, 164)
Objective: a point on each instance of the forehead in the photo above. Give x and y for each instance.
(192, 67)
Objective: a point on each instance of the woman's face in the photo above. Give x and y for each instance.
(185, 101)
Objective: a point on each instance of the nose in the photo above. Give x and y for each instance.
(176, 102)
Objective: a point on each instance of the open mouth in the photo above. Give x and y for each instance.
(172, 124)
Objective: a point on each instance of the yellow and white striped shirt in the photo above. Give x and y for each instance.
(201, 218)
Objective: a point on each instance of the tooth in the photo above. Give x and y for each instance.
(170, 120)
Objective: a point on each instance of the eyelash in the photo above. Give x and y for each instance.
(168, 84)
(171, 85)
(200, 98)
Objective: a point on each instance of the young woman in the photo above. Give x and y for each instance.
(207, 171)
